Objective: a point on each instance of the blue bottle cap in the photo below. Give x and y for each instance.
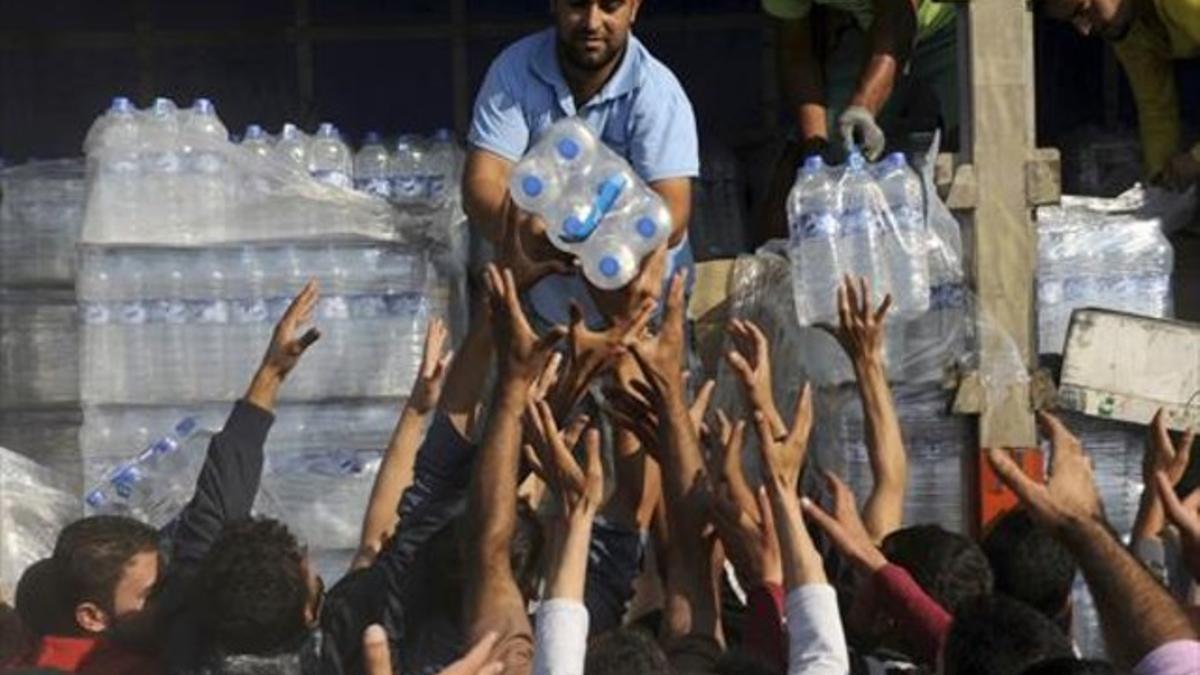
(121, 104)
(856, 161)
(253, 131)
(95, 499)
(646, 227)
(813, 164)
(574, 227)
(442, 135)
(568, 149)
(203, 105)
(609, 266)
(532, 186)
(327, 129)
(894, 160)
(372, 138)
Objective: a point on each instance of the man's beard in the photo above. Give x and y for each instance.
(585, 60)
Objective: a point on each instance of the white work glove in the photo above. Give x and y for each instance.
(869, 138)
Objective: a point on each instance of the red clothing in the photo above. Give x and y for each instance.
(924, 622)
(764, 634)
(90, 656)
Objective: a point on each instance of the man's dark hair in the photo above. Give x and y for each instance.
(252, 590)
(1072, 666)
(950, 567)
(626, 651)
(91, 554)
(996, 635)
(1031, 565)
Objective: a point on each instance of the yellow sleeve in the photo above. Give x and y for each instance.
(787, 9)
(1146, 58)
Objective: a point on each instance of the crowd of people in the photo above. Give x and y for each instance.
(558, 498)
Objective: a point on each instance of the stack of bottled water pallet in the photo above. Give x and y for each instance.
(192, 249)
(41, 212)
(1108, 253)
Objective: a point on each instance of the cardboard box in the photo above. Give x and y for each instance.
(1125, 367)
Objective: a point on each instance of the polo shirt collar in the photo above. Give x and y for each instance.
(622, 81)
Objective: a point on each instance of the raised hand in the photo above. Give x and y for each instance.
(751, 360)
(525, 250)
(845, 527)
(645, 287)
(860, 329)
(427, 389)
(1185, 516)
(579, 489)
(661, 357)
(591, 353)
(286, 348)
(744, 523)
(522, 354)
(783, 457)
(1069, 495)
(1162, 454)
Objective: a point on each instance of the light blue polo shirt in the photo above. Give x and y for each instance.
(641, 113)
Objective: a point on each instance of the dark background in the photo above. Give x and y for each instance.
(414, 65)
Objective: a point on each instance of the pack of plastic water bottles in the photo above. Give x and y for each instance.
(41, 213)
(169, 176)
(862, 220)
(35, 503)
(593, 203)
(1108, 253)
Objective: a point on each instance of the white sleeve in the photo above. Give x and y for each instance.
(560, 638)
(816, 642)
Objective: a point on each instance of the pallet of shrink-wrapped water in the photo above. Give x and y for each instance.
(594, 205)
(41, 213)
(35, 504)
(39, 347)
(1105, 253)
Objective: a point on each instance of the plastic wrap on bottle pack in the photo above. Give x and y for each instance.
(1111, 254)
(35, 504)
(321, 460)
(39, 348)
(41, 214)
(593, 203)
(48, 436)
(170, 324)
(147, 170)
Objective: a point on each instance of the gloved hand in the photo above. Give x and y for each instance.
(869, 138)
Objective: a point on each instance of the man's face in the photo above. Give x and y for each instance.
(593, 33)
(1110, 19)
(137, 583)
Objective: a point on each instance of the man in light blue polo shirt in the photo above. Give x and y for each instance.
(591, 66)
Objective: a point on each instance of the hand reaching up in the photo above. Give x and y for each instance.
(525, 250)
(661, 357)
(860, 330)
(286, 348)
(579, 489)
(377, 658)
(1185, 516)
(744, 523)
(427, 389)
(521, 353)
(751, 360)
(845, 527)
(1162, 454)
(783, 457)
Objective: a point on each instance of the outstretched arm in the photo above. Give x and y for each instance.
(861, 331)
(1137, 614)
(493, 601)
(396, 470)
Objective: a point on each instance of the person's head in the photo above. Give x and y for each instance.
(1072, 666)
(592, 34)
(1031, 565)
(107, 568)
(996, 635)
(257, 591)
(950, 567)
(625, 651)
(1110, 19)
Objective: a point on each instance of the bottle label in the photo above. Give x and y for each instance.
(380, 187)
(170, 311)
(209, 311)
(332, 177)
(814, 225)
(404, 305)
(368, 306)
(94, 313)
(133, 313)
(249, 310)
(333, 307)
(277, 306)
(435, 187)
(407, 187)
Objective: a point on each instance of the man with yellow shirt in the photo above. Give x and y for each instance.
(1147, 36)
(876, 64)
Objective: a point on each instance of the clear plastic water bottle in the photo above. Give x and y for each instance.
(257, 141)
(442, 170)
(813, 244)
(156, 484)
(329, 159)
(248, 312)
(207, 176)
(904, 245)
(208, 314)
(104, 370)
(859, 249)
(405, 169)
(169, 319)
(114, 141)
(371, 167)
(162, 166)
(292, 146)
(132, 314)
(609, 262)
